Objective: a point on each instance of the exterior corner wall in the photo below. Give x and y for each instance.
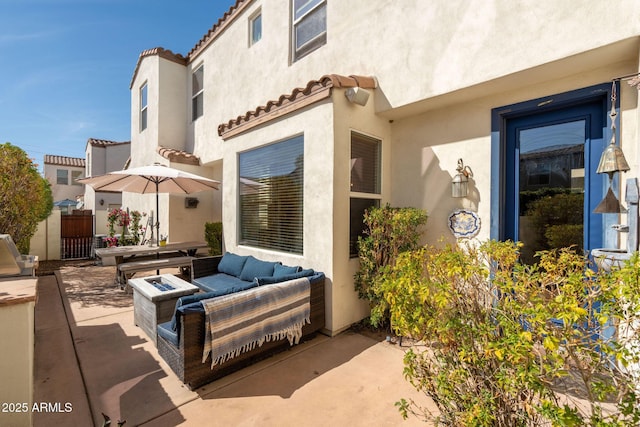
(315, 123)
(349, 117)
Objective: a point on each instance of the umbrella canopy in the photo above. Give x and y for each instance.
(156, 179)
(65, 203)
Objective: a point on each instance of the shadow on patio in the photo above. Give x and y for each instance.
(106, 364)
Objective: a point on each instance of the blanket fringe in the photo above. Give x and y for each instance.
(292, 333)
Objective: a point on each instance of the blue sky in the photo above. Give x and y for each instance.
(66, 65)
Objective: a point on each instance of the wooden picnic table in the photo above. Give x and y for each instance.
(125, 254)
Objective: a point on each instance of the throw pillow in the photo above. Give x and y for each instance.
(256, 268)
(232, 264)
(284, 270)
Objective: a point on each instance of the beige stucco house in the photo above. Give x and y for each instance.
(104, 156)
(62, 172)
(311, 111)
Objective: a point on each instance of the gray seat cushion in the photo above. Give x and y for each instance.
(222, 284)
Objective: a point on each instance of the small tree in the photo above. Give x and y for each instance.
(25, 196)
(388, 232)
(213, 236)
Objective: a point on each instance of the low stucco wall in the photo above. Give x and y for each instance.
(46, 242)
(17, 333)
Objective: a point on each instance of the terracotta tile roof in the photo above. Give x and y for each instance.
(218, 28)
(162, 53)
(50, 159)
(178, 156)
(314, 91)
(103, 142)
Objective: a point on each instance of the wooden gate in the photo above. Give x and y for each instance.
(76, 235)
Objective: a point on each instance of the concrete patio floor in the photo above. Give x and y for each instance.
(90, 357)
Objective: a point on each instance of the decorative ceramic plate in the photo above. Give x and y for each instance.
(464, 223)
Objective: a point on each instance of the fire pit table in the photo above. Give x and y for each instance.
(154, 300)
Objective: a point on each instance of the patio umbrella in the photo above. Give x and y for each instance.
(65, 203)
(156, 179)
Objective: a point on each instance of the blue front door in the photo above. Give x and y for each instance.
(549, 180)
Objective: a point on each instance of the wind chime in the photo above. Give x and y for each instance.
(612, 161)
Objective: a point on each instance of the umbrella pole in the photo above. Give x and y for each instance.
(157, 225)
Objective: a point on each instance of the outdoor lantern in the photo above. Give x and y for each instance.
(611, 161)
(460, 182)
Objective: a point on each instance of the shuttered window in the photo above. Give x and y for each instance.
(271, 181)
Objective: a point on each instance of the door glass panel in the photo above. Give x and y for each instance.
(551, 187)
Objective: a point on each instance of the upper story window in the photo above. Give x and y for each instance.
(309, 26)
(197, 92)
(143, 107)
(255, 28)
(62, 176)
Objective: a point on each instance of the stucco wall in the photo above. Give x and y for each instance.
(348, 118)
(426, 147)
(424, 53)
(319, 217)
(45, 243)
(16, 363)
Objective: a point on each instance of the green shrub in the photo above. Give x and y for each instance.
(507, 344)
(388, 232)
(213, 237)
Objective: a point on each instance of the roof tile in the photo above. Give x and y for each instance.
(162, 53)
(104, 142)
(314, 91)
(50, 159)
(178, 156)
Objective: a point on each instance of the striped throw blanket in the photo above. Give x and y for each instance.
(240, 322)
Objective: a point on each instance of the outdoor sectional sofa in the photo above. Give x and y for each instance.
(181, 341)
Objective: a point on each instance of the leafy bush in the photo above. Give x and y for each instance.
(213, 236)
(507, 344)
(388, 232)
(25, 196)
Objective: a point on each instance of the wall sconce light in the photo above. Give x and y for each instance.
(460, 182)
(191, 202)
(357, 95)
(101, 202)
(611, 161)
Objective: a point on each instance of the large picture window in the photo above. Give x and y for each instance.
(365, 184)
(271, 181)
(309, 26)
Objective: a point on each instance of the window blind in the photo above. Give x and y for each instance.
(271, 181)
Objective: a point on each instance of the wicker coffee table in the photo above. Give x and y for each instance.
(154, 300)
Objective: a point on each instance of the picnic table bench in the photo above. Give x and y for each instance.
(128, 262)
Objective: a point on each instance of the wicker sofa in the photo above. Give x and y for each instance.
(181, 341)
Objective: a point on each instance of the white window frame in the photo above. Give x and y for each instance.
(316, 41)
(144, 106)
(252, 30)
(59, 177)
(197, 95)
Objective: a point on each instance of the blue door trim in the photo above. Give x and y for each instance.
(600, 94)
